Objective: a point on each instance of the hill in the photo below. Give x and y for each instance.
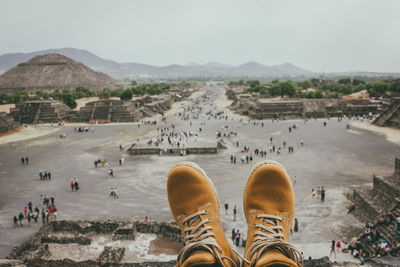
(144, 71)
(53, 71)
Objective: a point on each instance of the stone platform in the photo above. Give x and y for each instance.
(172, 151)
(47, 111)
(305, 108)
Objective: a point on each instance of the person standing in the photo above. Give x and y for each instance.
(226, 208)
(29, 219)
(296, 225)
(15, 219)
(43, 217)
(323, 194)
(22, 161)
(338, 246)
(233, 234)
(234, 213)
(237, 238)
(20, 218)
(26, 160)
(332, 249)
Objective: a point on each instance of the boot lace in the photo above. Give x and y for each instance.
(200, 237)
(270, 237)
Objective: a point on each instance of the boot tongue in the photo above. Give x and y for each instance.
(200, 257)
(274, 256)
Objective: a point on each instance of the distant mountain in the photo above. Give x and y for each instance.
(143, 71)
(215, 64)
(54, 71)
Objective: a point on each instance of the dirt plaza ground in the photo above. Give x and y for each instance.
(332, 157)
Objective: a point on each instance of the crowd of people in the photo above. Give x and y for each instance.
(43, 175)
(31, 215)
(377, 243)
(320, 193)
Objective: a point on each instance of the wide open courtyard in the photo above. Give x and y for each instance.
(332, 156)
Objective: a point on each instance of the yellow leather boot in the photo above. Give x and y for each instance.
(194, 204)
(269, 208)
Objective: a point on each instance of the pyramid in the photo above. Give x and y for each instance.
(53, 71)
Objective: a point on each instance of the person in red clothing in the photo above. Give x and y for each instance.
(51, 210)
(338, 246)
(26, 211)
(72, 184)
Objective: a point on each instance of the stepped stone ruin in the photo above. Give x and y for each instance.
(53, 71)
(106, 243)
(383, 198)
(108, 110)
(47, 111)
(7, 123)
(390, 116)
(294, 109)
(97, 243)
(105, 110)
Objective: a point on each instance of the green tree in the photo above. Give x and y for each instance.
(306, 84)
(275, 90)
(253, 83)
(319, 94)
(126, 95)
(287, 88)
(69, 100)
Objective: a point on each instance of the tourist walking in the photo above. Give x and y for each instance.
(15, 219)
(332, 249)
(234, 213)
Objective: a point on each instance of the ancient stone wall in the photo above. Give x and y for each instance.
(36, 248)
(295, 109)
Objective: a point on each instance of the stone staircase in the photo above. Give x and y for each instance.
(101, 110)
(390, 116)
(385, 233)
(7, 123)
(383, 198)
(278, 110)
(295, 109)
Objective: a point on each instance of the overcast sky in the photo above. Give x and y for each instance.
(334, 35)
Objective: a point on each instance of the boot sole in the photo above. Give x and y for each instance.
(197, 167)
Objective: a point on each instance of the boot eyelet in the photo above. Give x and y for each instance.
(209, 220)
(205, 211)
(255, 216)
